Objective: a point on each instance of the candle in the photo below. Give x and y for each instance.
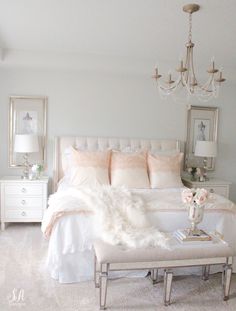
(213, 62)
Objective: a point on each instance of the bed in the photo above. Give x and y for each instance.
(70, 255)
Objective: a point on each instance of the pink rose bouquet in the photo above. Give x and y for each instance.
(198, 196)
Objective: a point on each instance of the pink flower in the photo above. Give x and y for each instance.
(201, 196)
(187, 196)
(204, 192)
(200, 200)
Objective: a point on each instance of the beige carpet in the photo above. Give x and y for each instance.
(22, 251)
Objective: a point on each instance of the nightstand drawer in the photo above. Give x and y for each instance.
(12, 202)
(23, 214)
(25, 189)
(221, 190)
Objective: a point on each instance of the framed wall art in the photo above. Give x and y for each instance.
(27, 115)
(202, 124)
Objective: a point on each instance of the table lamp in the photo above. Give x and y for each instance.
(206, 149)
(26, 143)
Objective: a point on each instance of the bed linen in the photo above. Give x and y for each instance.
(70, 255)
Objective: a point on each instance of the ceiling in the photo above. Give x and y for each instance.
(129, 32)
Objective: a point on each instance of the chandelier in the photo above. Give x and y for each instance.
(187, 81)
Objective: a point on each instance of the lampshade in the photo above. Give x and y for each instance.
(205, 148)
(26, 143)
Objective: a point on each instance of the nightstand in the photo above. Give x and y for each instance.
(23, 200)
(213, 185)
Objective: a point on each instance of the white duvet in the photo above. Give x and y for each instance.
(121, 214)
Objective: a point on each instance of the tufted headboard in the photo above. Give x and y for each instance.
(103, 143)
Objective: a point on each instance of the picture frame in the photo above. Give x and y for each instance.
(202, 124)
(27, 115)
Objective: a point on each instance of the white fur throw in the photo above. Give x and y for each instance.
(120, 215)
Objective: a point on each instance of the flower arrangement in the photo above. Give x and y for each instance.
(194, 196)
(37, 169)
(195, 199)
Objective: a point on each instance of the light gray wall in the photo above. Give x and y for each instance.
(88, 103)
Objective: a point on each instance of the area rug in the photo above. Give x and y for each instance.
(26, 285)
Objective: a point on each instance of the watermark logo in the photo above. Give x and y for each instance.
(17, 298)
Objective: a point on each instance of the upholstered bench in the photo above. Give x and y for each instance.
(115, 258)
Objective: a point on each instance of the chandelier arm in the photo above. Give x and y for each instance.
(182, 78)
(187, 87)
(170, 88)
(205, 87)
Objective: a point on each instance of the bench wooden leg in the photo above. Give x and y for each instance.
(168, 276)
(205, 272)
(154, 275)
(103, 285)
(96, 272)
(226, 280)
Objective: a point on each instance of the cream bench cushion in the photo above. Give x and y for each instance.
(107, 253)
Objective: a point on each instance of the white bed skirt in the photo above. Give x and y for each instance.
(70, 257)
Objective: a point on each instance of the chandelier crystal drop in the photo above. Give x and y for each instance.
(187, 80)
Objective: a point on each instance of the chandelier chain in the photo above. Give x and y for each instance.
(190, 28)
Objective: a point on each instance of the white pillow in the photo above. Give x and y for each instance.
(164, 171)
(129, 169)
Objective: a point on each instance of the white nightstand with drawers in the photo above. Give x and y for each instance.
(213, 185)
(23, 200)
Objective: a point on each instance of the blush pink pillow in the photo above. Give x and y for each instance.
(88, 168)
(164, 171)
(129, 169)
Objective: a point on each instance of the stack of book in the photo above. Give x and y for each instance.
(184, 235)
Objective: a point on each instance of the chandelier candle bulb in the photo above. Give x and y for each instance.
(181, 68)
(156, 75)
(169, 81)
(220, 79)
(212, 70)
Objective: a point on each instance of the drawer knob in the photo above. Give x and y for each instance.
(211, 190)
(23, 213)
(23, 190)
(23, 202)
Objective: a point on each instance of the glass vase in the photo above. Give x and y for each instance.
(195, 216)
